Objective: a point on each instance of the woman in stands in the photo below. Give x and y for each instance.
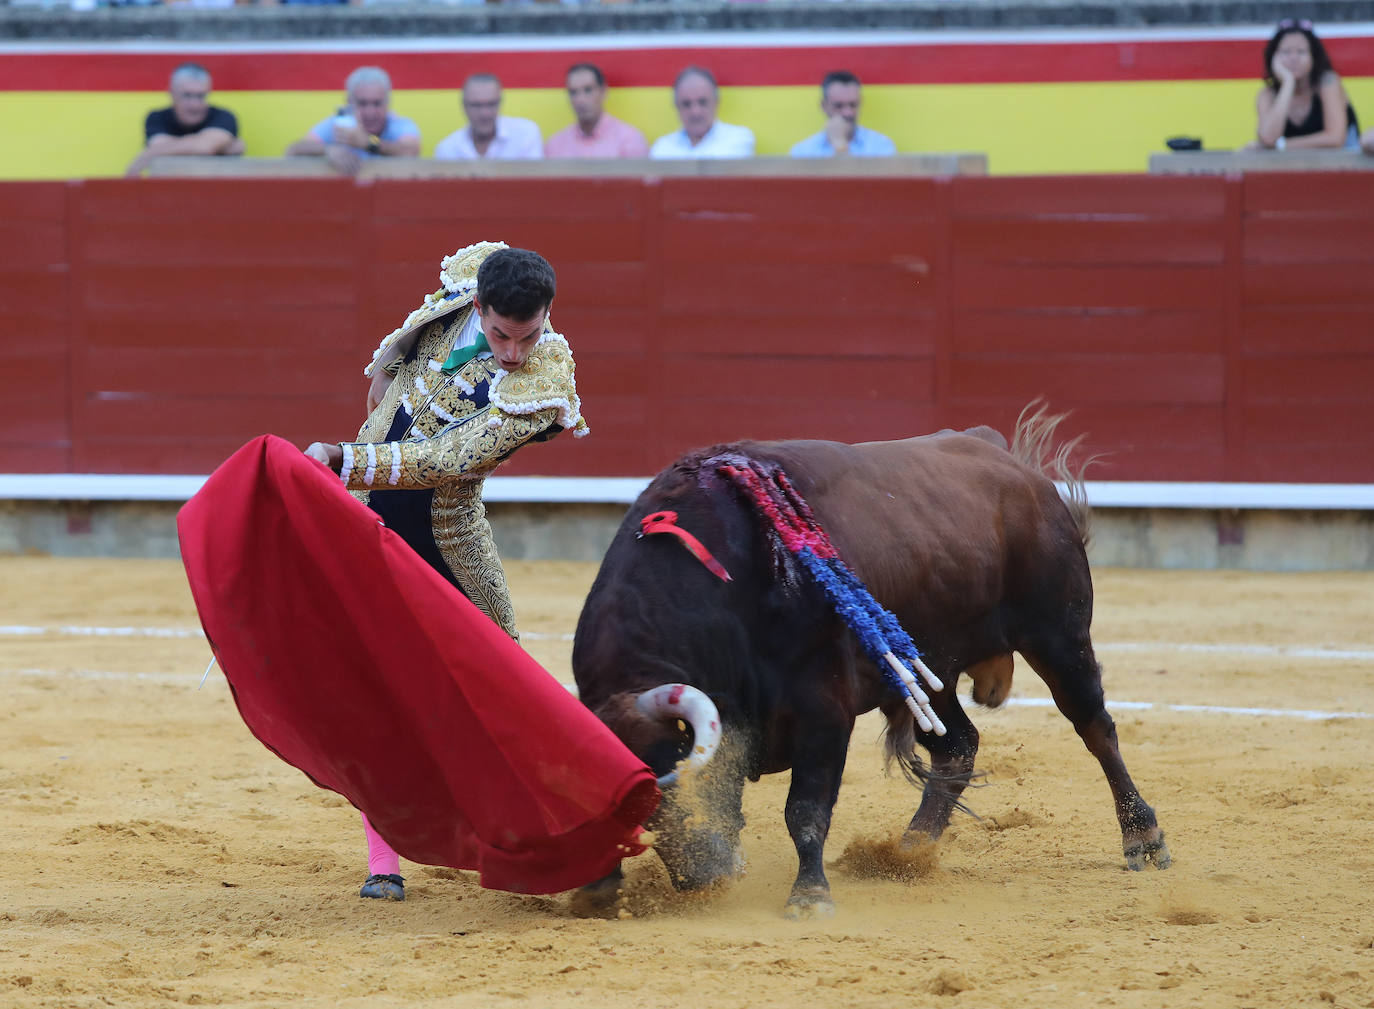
(1303, 104)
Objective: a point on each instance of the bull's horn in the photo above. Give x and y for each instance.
(678, 700)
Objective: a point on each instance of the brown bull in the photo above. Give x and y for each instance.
(968, 542)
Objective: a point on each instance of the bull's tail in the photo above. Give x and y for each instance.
(899, 747)
(1032, 443)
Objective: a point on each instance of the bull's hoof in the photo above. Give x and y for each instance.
(813, 902)
(391, 887)
(597, 900)
(1152, 852)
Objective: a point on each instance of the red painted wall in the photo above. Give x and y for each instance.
(1198, 328)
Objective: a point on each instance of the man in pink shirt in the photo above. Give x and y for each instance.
(597, 133)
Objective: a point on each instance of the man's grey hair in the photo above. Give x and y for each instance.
(367, 75)
(190, 71)
(482, 77)
(695, 71)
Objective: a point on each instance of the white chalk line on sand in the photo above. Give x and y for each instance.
(1289, 651)
(1307, 714)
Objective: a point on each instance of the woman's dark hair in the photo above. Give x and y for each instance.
(516, 283)
(1321, 62)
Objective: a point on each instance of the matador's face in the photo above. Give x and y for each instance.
(511, 340)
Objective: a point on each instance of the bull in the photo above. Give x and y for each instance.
(963, 537)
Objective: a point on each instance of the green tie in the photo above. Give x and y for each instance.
(461, 357)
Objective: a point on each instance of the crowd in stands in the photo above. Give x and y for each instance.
(1301, 105)
(366, 127)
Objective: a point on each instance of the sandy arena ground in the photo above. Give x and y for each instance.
(155, 854)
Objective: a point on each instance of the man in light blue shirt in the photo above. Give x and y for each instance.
(364, 128)
(840, 100)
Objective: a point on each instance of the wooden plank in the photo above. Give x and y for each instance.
(1087, 241)
(138, 417)
(689, 425)
(29, 457)
(1130, 441)
(989, 286)
(264, 200)
(509, 200)
(1290, 284)
(1349, 424)
(561, 239)
(1088, 331)
(194, 456)
(1251, 163)
(36, 376)
(1071, 380)
(610, 371)
(241, 241)
(813, 239)
(1088, 195)
(33, 202)
(218, 373)
(1316, 329)
(614, 334)
(1302, 379)
(1326, 194)
(763, 398)
(38, 416)
(787, 334)
(1317, 442)
(180, 293)
(37, 292)
(248, 327)
(836, 291)
(1316, 239)
(26, 246)
(768, 199)
(1308, 464)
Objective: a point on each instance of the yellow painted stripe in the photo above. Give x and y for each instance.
(1024, 128)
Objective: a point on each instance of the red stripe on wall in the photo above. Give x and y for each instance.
(964, 63)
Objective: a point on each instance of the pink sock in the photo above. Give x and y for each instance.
(381, 860)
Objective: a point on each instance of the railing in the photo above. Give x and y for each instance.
(1225, 162)
(898, 166)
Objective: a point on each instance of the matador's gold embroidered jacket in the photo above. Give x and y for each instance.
(446, 433)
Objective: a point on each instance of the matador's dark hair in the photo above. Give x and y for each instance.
(516, 283)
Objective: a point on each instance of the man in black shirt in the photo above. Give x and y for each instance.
(191, 125)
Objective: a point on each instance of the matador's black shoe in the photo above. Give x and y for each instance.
(390, 887)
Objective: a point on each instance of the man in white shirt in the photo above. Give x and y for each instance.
(695, 96)
(489, 134)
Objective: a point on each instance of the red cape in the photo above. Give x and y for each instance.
(353, 660)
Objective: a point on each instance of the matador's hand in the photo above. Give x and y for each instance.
(329, 454)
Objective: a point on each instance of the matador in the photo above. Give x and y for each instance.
(470, 376)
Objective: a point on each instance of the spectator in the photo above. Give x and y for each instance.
(364, 128)
(489, 134)
(596, 133)
(191, 125)
(1367, 141)
(840, 101)
(1303, 102)
(696, 97)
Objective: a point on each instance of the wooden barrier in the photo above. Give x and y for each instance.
(899, 165)
(1223, 162)
(1199, 328)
